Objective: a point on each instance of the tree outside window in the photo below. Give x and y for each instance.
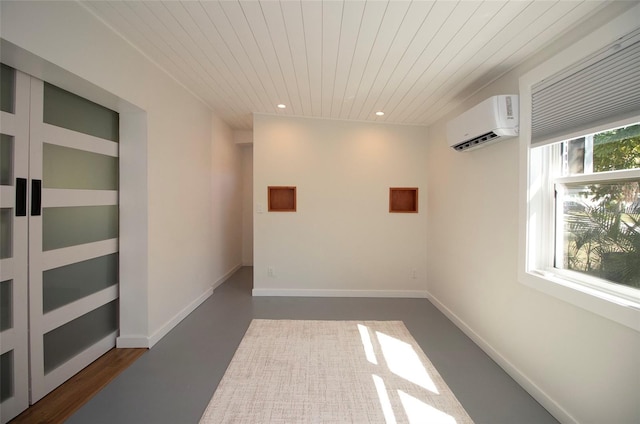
(601, 219)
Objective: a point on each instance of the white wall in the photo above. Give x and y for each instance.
(582, 367)
(175, 250)
(226, 178)
(587, 365)
(342, 240)
(247, 205)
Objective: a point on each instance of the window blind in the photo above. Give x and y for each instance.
(602, 89)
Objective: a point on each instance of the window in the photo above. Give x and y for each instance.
(580, 131)
(594, 191)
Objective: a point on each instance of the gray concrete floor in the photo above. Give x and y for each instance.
(174, 381)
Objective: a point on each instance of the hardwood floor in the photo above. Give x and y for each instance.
(61, 403)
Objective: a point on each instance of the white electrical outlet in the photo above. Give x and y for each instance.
(414, 274)
(271, 272)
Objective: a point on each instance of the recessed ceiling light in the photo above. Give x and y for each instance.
(379, 113)
(282, 106)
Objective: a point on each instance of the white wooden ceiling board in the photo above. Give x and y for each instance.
(468, 57)
(470, 22)
(278, 33)
(237, 21)
(155, 29)
(128, 25)
(255, 18)
(209, 28)
(556, 20)
(119, 15)
(391, 23)
(414, 60)
(332, 13)
(204, 51)
(195, 21)
(504, 58)
(409, 31)
(294, 25)
(371, 22)
(446, 29)
(120, 22)
(427, 31)
(562, 17)
(311, 11)
(351, 21)
(457, 47)
(480, 62)
(215, 62)
(534, 32)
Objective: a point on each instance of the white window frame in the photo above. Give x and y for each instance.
(537, 214)
(621, 176)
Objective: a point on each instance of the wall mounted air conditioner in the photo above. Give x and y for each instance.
(485, 123)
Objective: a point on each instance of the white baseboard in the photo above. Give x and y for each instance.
(132, 342)
(168, 326)
(538, 394)
(226, 276)
(340, 293)
(148, 342)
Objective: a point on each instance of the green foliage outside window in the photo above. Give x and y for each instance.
(617, 149)
(602, 234)
(604, 241)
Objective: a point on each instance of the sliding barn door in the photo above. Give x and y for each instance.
(73, 234)
(14, 173)
(58, 237)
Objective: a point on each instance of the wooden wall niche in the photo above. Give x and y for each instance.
(403, 199)
(282, 198)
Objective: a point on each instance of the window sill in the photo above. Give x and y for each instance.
(616, 308)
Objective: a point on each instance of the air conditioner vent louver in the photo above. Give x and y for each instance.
(474, 142)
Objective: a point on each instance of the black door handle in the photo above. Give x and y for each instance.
(36, 197)
(21, 197)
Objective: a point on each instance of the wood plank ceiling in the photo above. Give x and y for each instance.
(414, 60)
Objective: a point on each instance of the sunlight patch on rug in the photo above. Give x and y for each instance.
(288, 371)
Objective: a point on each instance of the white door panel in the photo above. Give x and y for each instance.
(14, 262)
(73, 237)
(59, 244)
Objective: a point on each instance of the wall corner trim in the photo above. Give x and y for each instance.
(523, 380)
(413, 294)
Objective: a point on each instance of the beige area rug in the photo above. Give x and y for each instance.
(331, 372)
